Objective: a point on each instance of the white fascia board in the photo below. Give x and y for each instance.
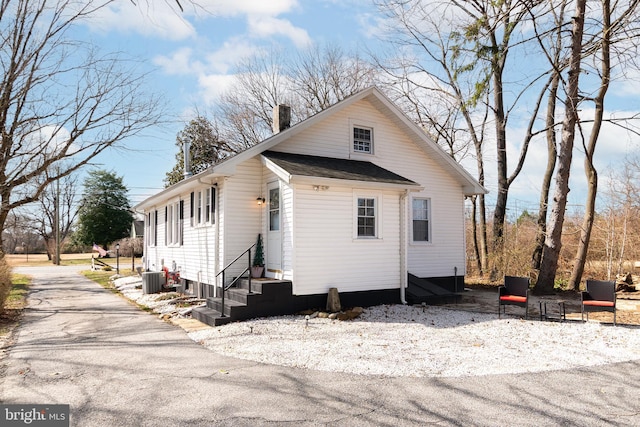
(281, 173)
(185, 186)
(310, 180)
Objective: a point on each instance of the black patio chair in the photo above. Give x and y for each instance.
(599, 296)
(515, 291)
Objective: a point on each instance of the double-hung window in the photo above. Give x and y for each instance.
(367, 217)
(203, 206)
(362, 140)
(207, 205)
(152, 219)
(199, 207)
(174, 223)
(421, 220)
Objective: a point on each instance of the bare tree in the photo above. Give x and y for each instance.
(459, 51)
(616, 23)
(245, 110)
(552, 45)
(58, 202)
(18, 234)
(61, 101)
(323, 76)
(553, 241)
(312, 81)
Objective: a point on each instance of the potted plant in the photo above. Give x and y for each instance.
(258, 259)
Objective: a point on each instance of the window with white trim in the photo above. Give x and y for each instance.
(174, 228)
(203, 207)
(367, 216)
(152, 221)
(207, 205)
(421, 220)
(362, 140)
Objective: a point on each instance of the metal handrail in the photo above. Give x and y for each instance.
(233, 282)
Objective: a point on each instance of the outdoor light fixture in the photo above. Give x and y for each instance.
(260, 201)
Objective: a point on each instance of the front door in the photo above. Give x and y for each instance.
(274, 233)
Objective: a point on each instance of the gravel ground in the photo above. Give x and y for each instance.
(396, 340)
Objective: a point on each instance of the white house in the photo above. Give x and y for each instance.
(356, 197)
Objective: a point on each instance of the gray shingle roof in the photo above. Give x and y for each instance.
(328, 167)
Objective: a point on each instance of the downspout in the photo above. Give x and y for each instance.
(403, 246)
(216, 251)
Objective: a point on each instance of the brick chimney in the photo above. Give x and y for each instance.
(281, 118)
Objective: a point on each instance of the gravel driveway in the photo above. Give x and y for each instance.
(118, 366)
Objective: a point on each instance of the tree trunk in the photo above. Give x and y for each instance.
(541, 231)
(587, 226)
(474, 232)
(590, 170)
(553, 241)
(499, 213)
(484, 249)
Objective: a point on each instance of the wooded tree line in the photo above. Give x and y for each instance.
(615, 247)
(469, 72)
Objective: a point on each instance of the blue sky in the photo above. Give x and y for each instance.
(190, 57)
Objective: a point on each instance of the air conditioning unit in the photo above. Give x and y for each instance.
(152, 282)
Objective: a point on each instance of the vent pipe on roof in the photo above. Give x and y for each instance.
(187, 159)
(281, 118)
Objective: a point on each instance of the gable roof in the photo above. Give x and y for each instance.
(300, 165)
(469, 184)
(228, 166)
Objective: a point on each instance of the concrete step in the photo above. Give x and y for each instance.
(210, 316)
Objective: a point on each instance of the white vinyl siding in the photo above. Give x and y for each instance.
(327, 255)
(396, 152)
(241, 216)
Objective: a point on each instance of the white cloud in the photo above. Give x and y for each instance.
(214, 85)
(266, 26)
(249, 7)
(178, 63)
(156, 19)
(164, 19)
(229, 54)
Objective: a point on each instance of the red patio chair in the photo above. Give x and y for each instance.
(515, 291)
(599, 296)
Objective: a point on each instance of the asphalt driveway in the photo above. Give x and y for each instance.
(115, 365)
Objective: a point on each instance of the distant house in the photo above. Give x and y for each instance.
(137, 229)
(356, 197)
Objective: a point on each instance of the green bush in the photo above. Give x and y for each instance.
(5, 281)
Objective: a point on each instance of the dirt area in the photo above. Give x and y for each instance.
(484, 298)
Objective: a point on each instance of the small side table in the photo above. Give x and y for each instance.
(548, 313)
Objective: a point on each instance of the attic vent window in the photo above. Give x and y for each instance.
(362, 140)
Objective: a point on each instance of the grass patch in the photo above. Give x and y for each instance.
(17, 298)
(101, 277)
(14, 304)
